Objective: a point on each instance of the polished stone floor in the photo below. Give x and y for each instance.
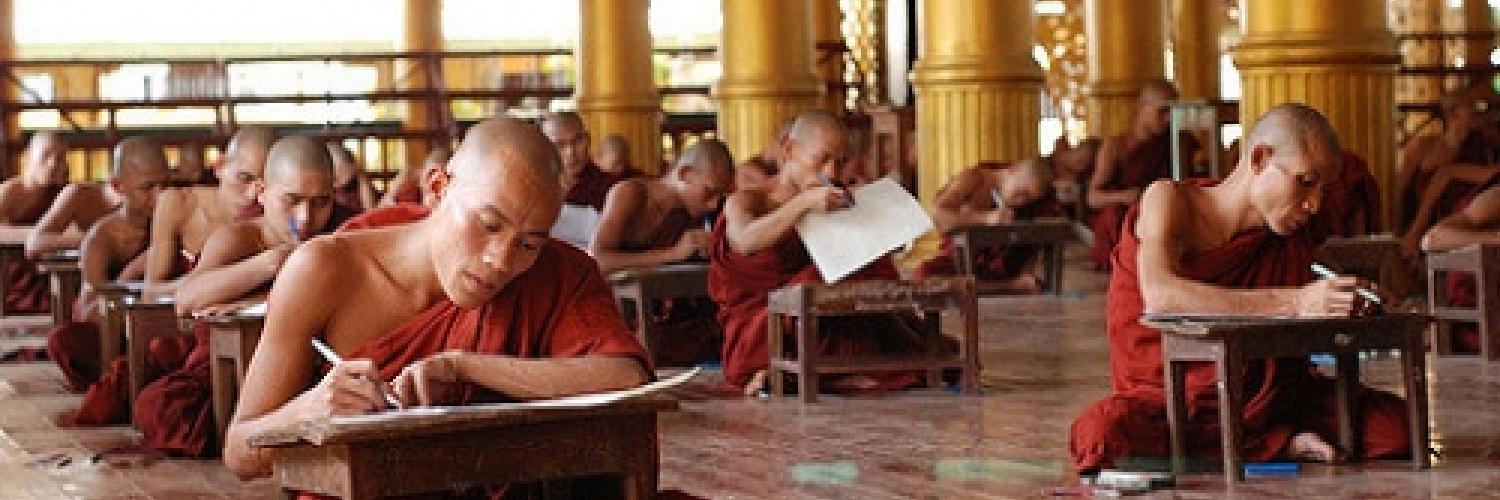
(1044, 360)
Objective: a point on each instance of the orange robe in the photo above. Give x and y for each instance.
(686, 330)
(991, 263)
(560, 308)
(591, 187)
(739, 284)
(1282, 397)
(1136, 167)
(26, 289)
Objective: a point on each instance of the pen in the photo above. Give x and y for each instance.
(999, 200)
(296, 231)
(826, 182)
(1324, 272)
(334, 358)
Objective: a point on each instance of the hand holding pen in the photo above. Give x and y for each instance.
(848, 196)
(365, 375)
(1375, 304)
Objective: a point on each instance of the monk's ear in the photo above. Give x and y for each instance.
(1260, 157)
(436, 180)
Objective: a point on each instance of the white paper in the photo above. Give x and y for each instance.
(884, 218)
(576, 224)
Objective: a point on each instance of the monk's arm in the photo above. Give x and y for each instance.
(166, 221)
(625, 200)
(952, 207)
(1478, 223)
(527, 379)
(1162, 220)
(95, 256)
(1104, 171)
(232, 265)
(748, 233)
(50, 232)
(9, 206)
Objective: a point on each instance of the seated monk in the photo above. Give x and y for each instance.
(181, 223)
(113, 250)
(614, 158)
(649, 222)
(76, 208)
(410, 185)
(759, 171)
(583, 181)
(754, 249)
(472, 304)
(972, 198)
(1477, 222)
(24, 199)
(1351, 200)
(1127, 163)
(190, 171)
(1465, 140)
(351, 188)
(175, 413)
(1242, 246)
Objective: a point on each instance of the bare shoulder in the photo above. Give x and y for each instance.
(629, 191)
(746, 201)
(108, 228)
(320, 265)
(1161, 203)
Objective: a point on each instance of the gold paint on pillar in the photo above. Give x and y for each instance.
(1478, 18)
(1196, 25)
(10, 164)
(616, 91)
(768, 75)
(1419, 16)
(826, 32)
(1125, 51)
(1339, 57)
(421, 31)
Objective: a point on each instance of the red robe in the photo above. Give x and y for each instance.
(75, 345)
(560, 308)
(1282, 397)
(740, 284)
(1350, 196)
(686, 330)
(591, 187)
(26, 288)
(1474, 150)
(991, 263)
(407, 193)
(1136, 167)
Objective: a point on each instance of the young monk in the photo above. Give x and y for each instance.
(24, 199)
(174, 413)
(76, 209)
(472, 303)
(114, 249)
(614, 158)
(409, 185)
(650, 222)
(1465, 139)
(190, 169)
(1239, 247)
(583, 181)
(973, 198)
(352, 188)
(1129, 162)
(754, 249)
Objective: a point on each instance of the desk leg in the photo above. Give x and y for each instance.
(776, 351)
(1055, 268)
(137, 344)
(1231, 389)
(109, 335)
(932, 340)
(969, 309)
(1414, 375)
(807, 357)
(222, 369)
(1346, 401)
(1177, 413)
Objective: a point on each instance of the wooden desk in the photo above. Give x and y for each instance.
(928, 297)
(1375, 257)
(112, 316)
(1483, 262)
(639, 288)
(407, 452)
(13, 248)
(145, 321)
(64, 277)
(1229, 343)
(232, 339)
(1051, 234)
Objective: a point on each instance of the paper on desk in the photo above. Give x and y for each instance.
(884, 218)
(575, 225)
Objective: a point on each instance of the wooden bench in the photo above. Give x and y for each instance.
(807, 302)
(1230, 343)
(232, 339)
(111, 303)
(146, 320)
(408, 452)
(1483, 262)
(64, 277)
(637, 289)
(1050, 234)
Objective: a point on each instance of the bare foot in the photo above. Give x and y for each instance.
(756, 383)
(1310, 447)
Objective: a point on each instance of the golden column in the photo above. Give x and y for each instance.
(421, 31)
(1125, 51)
(768, 77)
(1419, 16)
(1335, 55)
(1195, 47)
(8, 92)
(1478, 18)
(616, 91)
(828, 33)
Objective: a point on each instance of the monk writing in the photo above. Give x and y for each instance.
(24, 199)
(583, 181)
(974, 197)
(410, 185)
(76, 208)
(1239, 247)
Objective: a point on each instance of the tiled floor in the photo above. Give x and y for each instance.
(1044, 360)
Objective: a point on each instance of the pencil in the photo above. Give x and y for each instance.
(333, 357)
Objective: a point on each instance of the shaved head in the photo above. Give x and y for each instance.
(813, 124)
(1156, 90)
(816, 145)
(710, 155)
(44, 158)
(523, 152)
(243, 165)
(250, 145)
(297, 153)
(568, 119)
(136, 155)
(1290, 156)
(705, 175)
(1296, 128)
(566, 132)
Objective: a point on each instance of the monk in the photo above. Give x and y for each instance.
(973, 198)
(1129, 162)
(114, 249)
(754, 249)
(76, 208)
(190, 169)
(1351, 201)
(352, 187)
(1475, 223)
(649, 222)
(760, 169)
(24, 199)
(583, 181)
(410, 185)
(614, 158)
(175, 413)
(1239, 247)
(1465, 139)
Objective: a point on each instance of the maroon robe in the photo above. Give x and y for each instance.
(407, 193)
(75, 345)
(26, 288)
(1282, 397)
(591, 187)
(1474, 150)
(1136, 166)
(1351, 196)
(740, 284)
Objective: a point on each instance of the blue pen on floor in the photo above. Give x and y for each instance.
(1273, 469)
(827, 182)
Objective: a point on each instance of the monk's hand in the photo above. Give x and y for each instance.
(999, 216)
(349, 388)
(434, 380)
(824, 198)
(1333, 297)
(693, 242)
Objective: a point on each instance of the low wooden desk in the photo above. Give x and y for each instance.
(640, 287)
(428, 450)
(64, 277)
(1230, 342)
(13, 248)
(232, 338)
(1050, 234)
(112, 316)
(146, 320)
(1483, 262)
(807, 302)
(1376, 257)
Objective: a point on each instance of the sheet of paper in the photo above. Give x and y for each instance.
(575, 225)
(884, 217)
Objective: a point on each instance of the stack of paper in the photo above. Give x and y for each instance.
(884, 218)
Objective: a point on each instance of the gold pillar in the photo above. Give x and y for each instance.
(1478, 18)
(1196, 25)
(1125, 51)
(827, 32)
(1419, 16)
(616, 91)
(768, 71)
(1337, 56)
(421, 31)
(8, 92)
